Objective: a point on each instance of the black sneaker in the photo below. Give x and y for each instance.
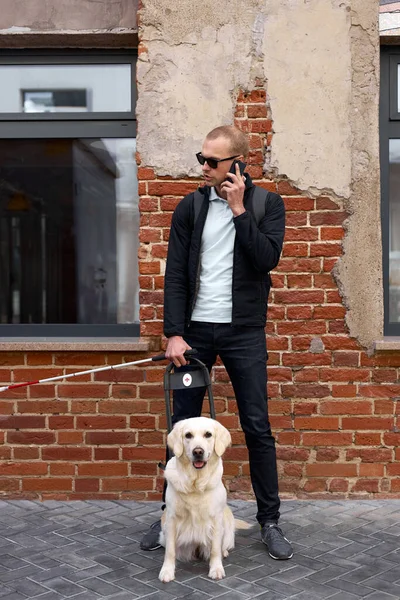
(150, 540)
(278, 546)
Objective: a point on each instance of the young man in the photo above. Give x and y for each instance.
(216, 290)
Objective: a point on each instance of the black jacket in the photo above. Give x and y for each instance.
(256, 252)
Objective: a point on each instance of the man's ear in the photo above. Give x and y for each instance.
(222, 439)
(174, 439)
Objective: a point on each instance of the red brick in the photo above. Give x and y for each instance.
(299, 296)
(171, 188)
(373, 423)
(327, 439)
(366, 485)
(327, 455)
(47, 484)
(104, 438)
(145, 173)
(69, 437)
(329, 312)
(9, 485)
(65, 453)
(106, 453)
(143, 422)
(11, 359)
(62, 469)
(368, 439)
(328, 218)
(256, 111)
(370, 455)
(296, 219)
(62, 422)
(102, 469)
(87, 485)
(299, 265)
(338, 485)
(332, 233)
(22, 422)
(347, 407)
(305, 408)
(147, 236)
(301, 234)
(286, 189)
(295, 250)
(315, 485)
(296, 203)
(331, 470)
(299, 281)
(316, 422)
(148, 205)
(22, 469)
(128, 483)
(88, 359)
(328, 249)
(25, 453)
(75, 390)
(39, 438)
(344, 391)
(100, 422)
(305, 390)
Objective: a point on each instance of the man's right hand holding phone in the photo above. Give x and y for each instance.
(234, 187)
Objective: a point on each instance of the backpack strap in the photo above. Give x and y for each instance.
(258, 203)
(197, 202)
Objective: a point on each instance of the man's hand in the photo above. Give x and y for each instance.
(176, 348)
(234, 191)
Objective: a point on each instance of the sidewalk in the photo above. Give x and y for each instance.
(90, 551)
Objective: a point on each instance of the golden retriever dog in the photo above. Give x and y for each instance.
(197, 522)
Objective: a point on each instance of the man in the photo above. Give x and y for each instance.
(216, 290)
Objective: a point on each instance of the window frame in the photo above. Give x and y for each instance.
(67, 126)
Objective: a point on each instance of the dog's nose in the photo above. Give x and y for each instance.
(198, 453)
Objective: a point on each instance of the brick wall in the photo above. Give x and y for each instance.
(333, 408)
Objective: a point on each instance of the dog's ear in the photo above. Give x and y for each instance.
(222, 439)
(174, 439)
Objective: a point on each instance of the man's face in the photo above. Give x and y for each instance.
(218, 148)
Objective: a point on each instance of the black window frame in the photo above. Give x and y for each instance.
(70, 125)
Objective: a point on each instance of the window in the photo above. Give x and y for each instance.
(69, 222)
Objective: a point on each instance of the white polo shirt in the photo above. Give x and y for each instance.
(214, 298)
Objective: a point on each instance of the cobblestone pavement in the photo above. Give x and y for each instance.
(90, 551)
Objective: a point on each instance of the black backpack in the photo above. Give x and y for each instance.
(258, 203)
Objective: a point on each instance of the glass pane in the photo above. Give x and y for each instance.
(394, 230)
(65, 88)
(69, 230)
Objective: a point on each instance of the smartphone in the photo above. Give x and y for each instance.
(242, 167)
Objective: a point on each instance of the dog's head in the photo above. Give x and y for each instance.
(198, 439)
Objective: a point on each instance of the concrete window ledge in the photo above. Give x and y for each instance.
(387, 343)
(86, 344)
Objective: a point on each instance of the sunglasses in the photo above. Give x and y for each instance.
(212, 162)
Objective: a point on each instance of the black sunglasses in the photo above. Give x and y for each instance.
(212, 162)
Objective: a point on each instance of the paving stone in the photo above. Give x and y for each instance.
(90, 551)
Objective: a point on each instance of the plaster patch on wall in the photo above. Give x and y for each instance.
(359, 271)
(308, 66)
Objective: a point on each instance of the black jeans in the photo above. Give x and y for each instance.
(244, 354)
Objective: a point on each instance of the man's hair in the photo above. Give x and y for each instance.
(239, 143)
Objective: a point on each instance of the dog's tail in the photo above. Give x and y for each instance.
(239, 524)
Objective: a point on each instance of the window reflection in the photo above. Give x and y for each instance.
(394, 230)
(68, 231)
(102, 88)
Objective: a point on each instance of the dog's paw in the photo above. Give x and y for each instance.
(225, 553)
(166, 574)
(216, 572)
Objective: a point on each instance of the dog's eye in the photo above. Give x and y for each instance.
(188, 436)
(208, 434)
